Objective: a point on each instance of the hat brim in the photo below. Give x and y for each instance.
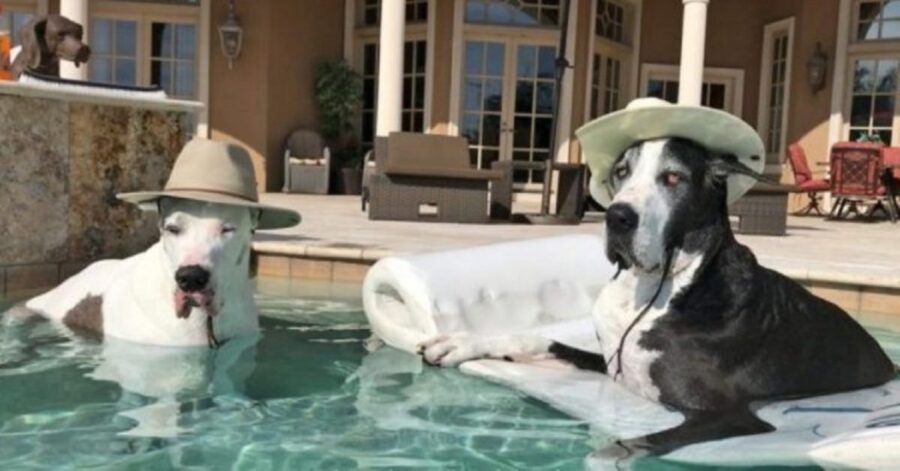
(605, 139)
(270, 217)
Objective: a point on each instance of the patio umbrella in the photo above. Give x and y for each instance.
(562, 64)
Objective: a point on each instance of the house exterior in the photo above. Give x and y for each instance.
(483, 69)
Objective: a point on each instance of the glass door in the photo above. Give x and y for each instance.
(534, 89)
(508, 92)
(482, 101)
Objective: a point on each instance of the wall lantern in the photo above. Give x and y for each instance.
(232, 35)
(816, 69)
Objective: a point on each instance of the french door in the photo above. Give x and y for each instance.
(508, 92)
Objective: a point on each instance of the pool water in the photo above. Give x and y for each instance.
(307, 395)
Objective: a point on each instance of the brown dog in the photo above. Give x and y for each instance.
(46, 40)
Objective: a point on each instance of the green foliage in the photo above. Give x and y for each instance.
(870, 137)
(338, 92)
(349, 157)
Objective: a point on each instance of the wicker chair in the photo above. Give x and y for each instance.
(857, 176)
(803, 178)
(427, 177)
(307, 163)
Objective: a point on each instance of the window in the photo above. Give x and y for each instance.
(413, 113)
(873, 98)
(712, 94)
(370, 12)
(14, 21)
(172, 57)
(114, 51)
(877, 19)
(610, 21)
(145, 50)
(722, 88)
(613, 85)
(532, 13)
(606, 85)
(774, 88)
(414, 86)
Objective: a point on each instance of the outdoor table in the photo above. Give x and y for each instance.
(763, 210)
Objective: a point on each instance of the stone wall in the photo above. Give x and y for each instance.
(61, 164)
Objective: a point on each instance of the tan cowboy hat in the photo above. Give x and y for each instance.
(216, 172)
(604, 139)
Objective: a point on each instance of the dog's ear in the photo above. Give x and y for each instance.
(720, 166)
(33, 42)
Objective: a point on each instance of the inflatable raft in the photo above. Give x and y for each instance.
(547, 287)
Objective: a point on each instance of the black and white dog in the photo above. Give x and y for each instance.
(692, 320)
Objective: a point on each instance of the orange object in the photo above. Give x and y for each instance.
(5, 62)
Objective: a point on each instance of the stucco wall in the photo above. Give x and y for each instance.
(270, 90)
(443, 67)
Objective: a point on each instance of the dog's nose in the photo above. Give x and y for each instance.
(192, 278)
(621, 219)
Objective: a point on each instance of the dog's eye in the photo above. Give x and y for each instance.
(227, 230)
(172, 229)
(671, 179)
(622, 172)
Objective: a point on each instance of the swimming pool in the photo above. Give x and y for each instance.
(307, 395)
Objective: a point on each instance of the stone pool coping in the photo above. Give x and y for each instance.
(98, 96)
(857, 293)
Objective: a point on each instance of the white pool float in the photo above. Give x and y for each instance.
(547, 287)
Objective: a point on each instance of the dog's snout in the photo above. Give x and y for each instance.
(192, 278)
(621, 218)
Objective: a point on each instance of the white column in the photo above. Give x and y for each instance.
(390, 67)
(77, 11)
(693, 40)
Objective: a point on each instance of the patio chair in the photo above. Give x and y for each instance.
(891, 158)
(427, 177)
(857, 171)
(307, 163)
(803, 179)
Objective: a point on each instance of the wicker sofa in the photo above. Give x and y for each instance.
(427, 177)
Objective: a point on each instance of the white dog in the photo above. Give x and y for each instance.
(192, 286)
(195, 277)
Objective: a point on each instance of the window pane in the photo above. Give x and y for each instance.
(867, 31)
(547, 62)
(419, 96)
(671, 92)
(125, 72)
(886, 80)
(890, 30)
(162, 40)
(471, 128)
(472, 94)
(491, 130)
(101, 37)
(522, 132)
(542, 127)
(496, 54)
(161, 75)
(184, 79)
(884, 111)
(474, 57)
(864, 76)
(100, 70)
(860, 110)
(525, 62)
(717, 96)
(545, 97)
(493, 95)
(524, 96)
(184, 49)
(655, 88)
(370, 52)
(126, 38)
(421, 49)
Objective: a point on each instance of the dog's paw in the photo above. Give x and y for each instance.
(451, 350)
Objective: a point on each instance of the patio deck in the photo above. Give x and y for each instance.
(842, 258)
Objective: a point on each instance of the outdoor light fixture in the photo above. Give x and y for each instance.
(232, 35)
(816, 68)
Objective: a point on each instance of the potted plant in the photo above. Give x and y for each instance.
(349, 162)
(338, 92)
